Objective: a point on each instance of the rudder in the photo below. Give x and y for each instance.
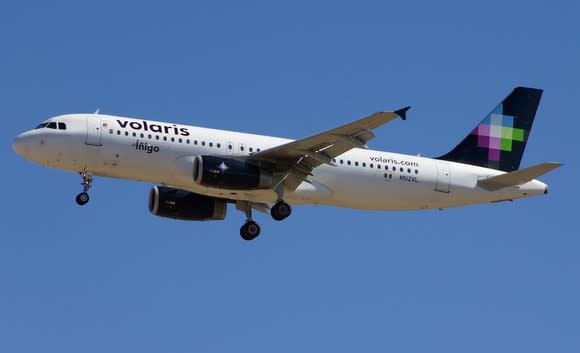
(499, 140)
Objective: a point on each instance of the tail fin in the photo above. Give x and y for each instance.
(498, 142)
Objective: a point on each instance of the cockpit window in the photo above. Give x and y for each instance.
(61, 126)
(41, 126)
(51, 125)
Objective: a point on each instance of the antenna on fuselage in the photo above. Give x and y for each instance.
(97, 111)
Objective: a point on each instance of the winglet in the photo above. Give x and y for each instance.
(403, 112)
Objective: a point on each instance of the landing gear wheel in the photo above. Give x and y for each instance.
(250, 230)
(281, 210)
(82, 198)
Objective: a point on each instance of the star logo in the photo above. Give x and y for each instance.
(223, 168)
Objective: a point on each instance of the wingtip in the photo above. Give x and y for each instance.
(403, 112)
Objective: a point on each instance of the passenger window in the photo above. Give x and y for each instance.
(195, 142)
(416, 171)
(378, 166)
(187, 141)
(348, 162)
(371, 165)
(258, 150)
(364, 164)
(126, 133)
(157, 137)
(203, 143)
(219, 145)
(118, 132)
(134, 134)
(173, 139)
(251, 149)
(356, 164)
(401, 170)
(229, 147)
(61, 126)
(341, 161)
(180, 140)
(51, 125)
(149, 136)
(164, 138)
(211, 144)
(394, 169)
(409, 170)
(142, 135)
(111, 131)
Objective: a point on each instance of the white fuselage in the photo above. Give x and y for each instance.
(158, 152)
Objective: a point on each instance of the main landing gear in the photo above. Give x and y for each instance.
(250, 230)
(83, 197)
(280, 211)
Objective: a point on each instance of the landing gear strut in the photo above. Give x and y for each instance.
(250, 230)
(83, 197)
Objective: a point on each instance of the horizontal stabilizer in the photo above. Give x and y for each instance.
(517, 177)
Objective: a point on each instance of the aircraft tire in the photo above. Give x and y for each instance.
(280, 211)
(250, 230)
(82, 198)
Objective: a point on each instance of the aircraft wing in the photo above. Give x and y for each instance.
(295, 160)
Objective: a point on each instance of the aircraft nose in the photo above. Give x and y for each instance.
(21, 145)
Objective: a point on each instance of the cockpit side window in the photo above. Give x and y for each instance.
(61, 126)
(43, 125)
(51, 125)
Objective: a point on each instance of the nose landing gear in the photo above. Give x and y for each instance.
(83, 197)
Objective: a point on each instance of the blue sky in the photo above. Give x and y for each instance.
(111, 277)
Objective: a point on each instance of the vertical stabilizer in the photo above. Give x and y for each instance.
(499, 140)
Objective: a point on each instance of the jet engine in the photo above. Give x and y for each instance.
(180, 204)
(230, 173)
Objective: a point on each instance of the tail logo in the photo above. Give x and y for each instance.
(496, 133)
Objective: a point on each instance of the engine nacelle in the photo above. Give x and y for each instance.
(230, 173)
(180, 204)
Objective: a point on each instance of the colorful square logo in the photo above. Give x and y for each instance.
(496, 133)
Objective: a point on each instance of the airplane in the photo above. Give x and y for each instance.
(199, 171)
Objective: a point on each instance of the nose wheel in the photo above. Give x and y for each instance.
(83, 197)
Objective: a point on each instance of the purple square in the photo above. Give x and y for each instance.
(483, 141)
(494, 143)
(493, 155)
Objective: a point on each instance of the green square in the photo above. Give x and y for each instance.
(518, 135)
(505, 145)
(506, 133)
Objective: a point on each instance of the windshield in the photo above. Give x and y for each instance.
(41, 126)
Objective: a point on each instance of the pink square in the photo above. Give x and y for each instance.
(494, 143)
(483, 130)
